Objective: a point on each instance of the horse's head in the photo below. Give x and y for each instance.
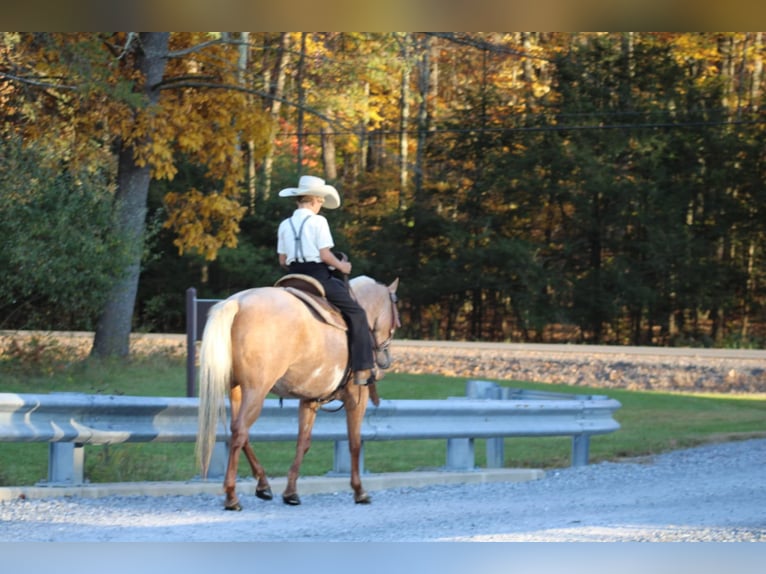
(379, 302)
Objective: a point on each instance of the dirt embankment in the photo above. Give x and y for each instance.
(583, 368)
(627, 368)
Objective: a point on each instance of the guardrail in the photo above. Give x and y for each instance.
(495, 446)
(69, 421)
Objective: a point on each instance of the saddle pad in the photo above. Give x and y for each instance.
(327, 312)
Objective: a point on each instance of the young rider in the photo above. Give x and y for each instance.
(304, 244)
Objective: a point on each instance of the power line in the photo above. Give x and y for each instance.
(544, 128)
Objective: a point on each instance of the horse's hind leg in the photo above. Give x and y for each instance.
(262, 489)
(235, 446)
(245, 409)
(307, 413)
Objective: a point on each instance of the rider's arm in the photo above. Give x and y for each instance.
(329, 258)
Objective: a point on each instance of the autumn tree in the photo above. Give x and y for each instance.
(145, 102)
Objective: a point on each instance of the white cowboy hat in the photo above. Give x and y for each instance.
(310, 185)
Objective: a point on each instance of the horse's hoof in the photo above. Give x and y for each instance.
(264, 493)
(233, 506)
(291, 499)
(363, 498)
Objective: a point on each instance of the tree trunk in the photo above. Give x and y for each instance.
(242, 66)
(301, 103)
(424, 89)
(755, 84)
(114, 325)
(274, 106)
(328, 153)
(405, 120)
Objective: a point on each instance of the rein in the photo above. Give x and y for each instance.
(394, 324)
(381, 347)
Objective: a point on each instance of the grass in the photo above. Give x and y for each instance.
(651, 423)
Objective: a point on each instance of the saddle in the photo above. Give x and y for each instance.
(311, 292)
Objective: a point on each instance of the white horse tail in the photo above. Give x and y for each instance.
(215, 366)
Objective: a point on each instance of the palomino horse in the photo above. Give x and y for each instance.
(267, 340)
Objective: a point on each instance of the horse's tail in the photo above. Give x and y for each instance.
(215, 365)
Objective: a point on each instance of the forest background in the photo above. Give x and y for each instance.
(568, 187)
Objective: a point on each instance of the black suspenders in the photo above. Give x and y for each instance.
(298, 246)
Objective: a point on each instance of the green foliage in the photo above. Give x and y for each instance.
(58, 257)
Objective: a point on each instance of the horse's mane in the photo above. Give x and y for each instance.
(362, 285)
(363, 279)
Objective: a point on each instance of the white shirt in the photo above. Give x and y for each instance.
(314, 236)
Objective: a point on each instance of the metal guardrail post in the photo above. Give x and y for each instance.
(342, 459)
(66, 463)
(460, 454)
(495, 447)
(217, 467)
(191, 338)
(196, 317)
(580, 449)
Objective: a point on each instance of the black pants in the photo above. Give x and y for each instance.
(360, 339)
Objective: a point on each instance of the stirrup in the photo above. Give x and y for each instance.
(364, 382)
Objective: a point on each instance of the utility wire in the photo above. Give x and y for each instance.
(547, 128)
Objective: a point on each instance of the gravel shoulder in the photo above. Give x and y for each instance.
(713, 493)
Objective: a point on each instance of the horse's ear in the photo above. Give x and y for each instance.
(394, 286)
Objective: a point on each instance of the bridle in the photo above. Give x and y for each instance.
(382, 354)
(380, 349)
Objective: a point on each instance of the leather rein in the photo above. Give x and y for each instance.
(381, 347)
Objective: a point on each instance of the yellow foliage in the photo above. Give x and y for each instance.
(194, 123)
(203, 223)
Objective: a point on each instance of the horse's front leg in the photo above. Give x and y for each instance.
(356, 405)
(307, 413)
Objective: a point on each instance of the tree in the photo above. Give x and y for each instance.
(147, 100)
(58, 258)
(133, 175)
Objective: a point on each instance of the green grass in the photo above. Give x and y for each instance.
(650, 422)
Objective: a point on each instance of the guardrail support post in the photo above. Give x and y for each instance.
(219, 460)
(191, 336)
(460, 454)
(495, 446)
(66, 463)
(580, 449)
(342, 459)
(495, 452)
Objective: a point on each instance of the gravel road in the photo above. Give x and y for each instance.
(713, 493)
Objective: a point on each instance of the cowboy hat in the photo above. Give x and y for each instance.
(310, 185)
